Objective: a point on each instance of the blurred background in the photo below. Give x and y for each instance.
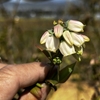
(22, 22)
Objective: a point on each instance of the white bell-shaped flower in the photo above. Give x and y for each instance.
(44, 37)
(68, 38)
(66, 49)
(77, 39)
(58, 30)
(75, 26)
(52, 43)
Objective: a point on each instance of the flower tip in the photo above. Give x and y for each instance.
(57, 36)
(44, 37)
(86, 39)
(41, 42)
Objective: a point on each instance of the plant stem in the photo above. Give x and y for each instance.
(58, 68)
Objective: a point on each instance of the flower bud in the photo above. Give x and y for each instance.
(60, 22)
(75, 26)
(52, 43)
(68, 38)
(79, 50)
(57, 60)
(66, 49)
(77, 39)
(54, 23)
(44, 37)
(58, 30)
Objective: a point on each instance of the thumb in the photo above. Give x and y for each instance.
(43, 92)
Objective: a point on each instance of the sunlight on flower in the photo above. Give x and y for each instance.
(58, 30)
(68, 38)
(86, 39)
(77, 39)
(75, 26)
(66, 49)
(52, 43)
(65, 37)
(62, 43)
(44, 37)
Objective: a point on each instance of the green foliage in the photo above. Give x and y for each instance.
(64, 73)
(18, 41)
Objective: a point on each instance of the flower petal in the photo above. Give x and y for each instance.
(66, 49)
(86, 39)
(68, 38)
(58, 30)
(75, 26)
(52, 43)
(77, 39)
(44, 37)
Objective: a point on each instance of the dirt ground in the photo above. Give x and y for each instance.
(73, 91)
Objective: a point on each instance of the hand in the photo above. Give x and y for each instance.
(13, 77)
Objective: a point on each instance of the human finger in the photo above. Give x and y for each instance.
(13, 77)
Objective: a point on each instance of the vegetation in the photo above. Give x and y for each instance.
(19, 38)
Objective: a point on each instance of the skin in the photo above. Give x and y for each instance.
(16, 76)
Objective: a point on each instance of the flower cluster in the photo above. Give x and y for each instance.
(65, 37)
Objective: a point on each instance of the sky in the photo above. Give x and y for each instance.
(49, 5)
(16, 0)
(37, 5)
(21, 1)
(27, 0)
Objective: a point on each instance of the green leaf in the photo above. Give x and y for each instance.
(64, 73)
(47, 53)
